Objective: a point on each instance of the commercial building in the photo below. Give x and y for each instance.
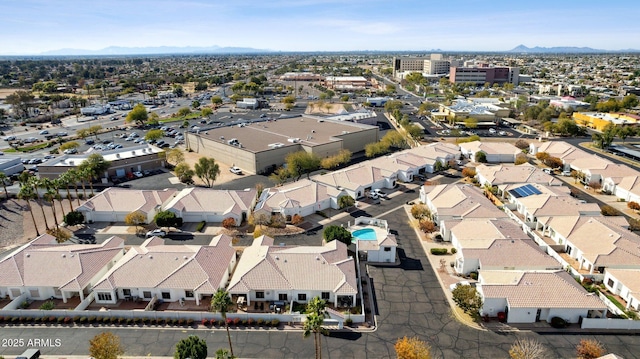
(123, 161)
(599, 120)
(11, 165)
(261, 147)
(346, 83)
(483, 74)
(433, 65)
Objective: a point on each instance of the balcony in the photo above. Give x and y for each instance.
(575, 264)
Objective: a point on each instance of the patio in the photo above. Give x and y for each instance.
(575, 264)
(58, 303)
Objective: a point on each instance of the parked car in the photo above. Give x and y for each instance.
(43, 132)
(10, 138)
(138, 174)
(547, 171)
(89, 142)
(372, 195)
(70, 151)
(156, 233)
(235, 170)
(492, 130)
(378, 192)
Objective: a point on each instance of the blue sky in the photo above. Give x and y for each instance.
(35, 26)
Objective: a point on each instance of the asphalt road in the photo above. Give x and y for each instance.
(409, 301)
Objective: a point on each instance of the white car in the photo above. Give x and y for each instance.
(43, 132)
(10, 138)
(138, 174)
(372, 195)
(492, 130)
(156, 233)
(235, 170)
(502, 133)
(378, 192)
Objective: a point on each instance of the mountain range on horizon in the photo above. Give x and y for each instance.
(192, 50)
(564, 50)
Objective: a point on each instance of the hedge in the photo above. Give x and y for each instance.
(200, 226)
(439, 251)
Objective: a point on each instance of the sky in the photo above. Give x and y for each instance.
(37, 26)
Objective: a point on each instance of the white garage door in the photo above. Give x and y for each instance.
(103, 216)
(193, 217)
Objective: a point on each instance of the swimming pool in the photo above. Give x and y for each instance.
(365, 234)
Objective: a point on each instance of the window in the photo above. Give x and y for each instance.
(126, 292)
(34, 293)
(283, 296)
(188, 293)
(260, 295)
(302, 296)
(146, 294)
(387, 249)
(15, 292)
(166, 295)
(610, 282)
(104, 296)
(325, 295)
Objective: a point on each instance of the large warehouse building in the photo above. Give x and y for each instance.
(261, 147)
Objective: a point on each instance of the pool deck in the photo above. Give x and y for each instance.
(367, 244)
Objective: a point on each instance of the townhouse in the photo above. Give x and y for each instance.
(156, 271)
(268, 272)
(506, 177)
(114, 204)
(495, 151)
(528, 297)
(209, 205)
(44, 268)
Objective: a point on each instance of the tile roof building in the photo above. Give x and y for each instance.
(268, 272)
(168, 272)
(528, 297)
(114, 204)
(44, 268)
(495, 152)
(206, 204)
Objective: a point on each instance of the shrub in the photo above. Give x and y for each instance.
(275, 323)
(558, 322)
(205, 322)
(190, 322)
(220, 323)
(589, 349)
(229, 321)
(634, 205)
(200, 226)
(521, 144)
(468, 172)
(297, 219)
(427, 226)
(521, 158)
(419, 211)
(83, 320)
(250, 321)
(608, 210)
(67, 320)
(181, 322)
(348, 322)
(48, 305)
(74, 218)
(244, 322)
(473, 275)
(260, 322)
(439, 251)
(454, 251)
(229, 222)
(91, 319)
(236, 321)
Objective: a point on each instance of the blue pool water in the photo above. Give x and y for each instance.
(365, 234)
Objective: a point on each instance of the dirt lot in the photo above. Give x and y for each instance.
(6, 92)
(225, 176)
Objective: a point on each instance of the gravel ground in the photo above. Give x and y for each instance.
(16, 224)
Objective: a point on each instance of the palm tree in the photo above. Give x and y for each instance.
(221, 302)
(313, 324)
(26, 193)
(81, 174)
(95, 165)
(3, 177)
(50, 195)
(63, 181)
(72, 176)
(35, 182)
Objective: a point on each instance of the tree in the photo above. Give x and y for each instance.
(94, 131)
(138, 115)
(207, 170)
(280, 175)
(426, 225)
(206, 111)
(191, 347)
(105, 345)
(73, 218)
(521, 158)
(542, 156)
(26, 193)
(167, 219)
(302, 162)
(3, 179)
(313, 324)
(69, 145)
(154, 119)
(154, 135)
(629, 101)
(346, 201)
(469, 172)
(221, 302)
(195, 104)
(391, 106)
(468, 299)
(527, 348)
(394, 139)
(216, 101)
(183, 111)
(175, 155)
(589, 349)
(471, 122)
(481, 157)
(223, 354)
(229, 222)
(178, 90)
(337, 233)
(412, 348)
(624, 132)
(135, 218)
(184, 173)
(36, 182)
(94, 166)
(522, 144)
(21, 102)
(342, 157)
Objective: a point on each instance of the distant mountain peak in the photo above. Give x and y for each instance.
(558, 49)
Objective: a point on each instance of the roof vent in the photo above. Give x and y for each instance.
(28, 255)
(117, 155)
(64, 255)
(317, 258)
(277, 257)
(185, 257)
(150, 257)
(133, 152)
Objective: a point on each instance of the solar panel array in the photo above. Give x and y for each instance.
(524, 191)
